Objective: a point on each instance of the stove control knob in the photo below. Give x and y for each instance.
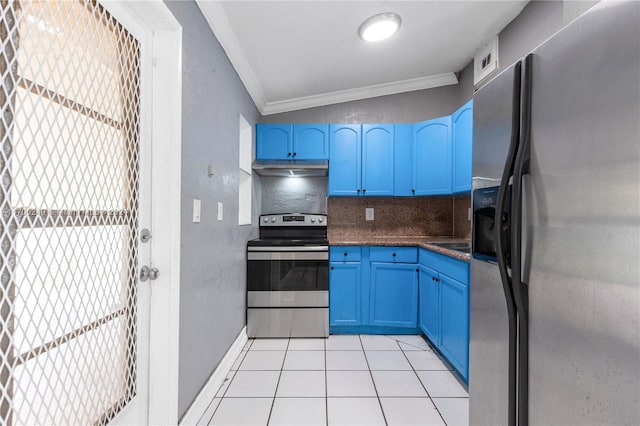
(320, 219)
(313, 220)
(273, 220)
(265, 220)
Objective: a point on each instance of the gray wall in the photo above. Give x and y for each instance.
(294, 195)
(539, 20)
(212, 292)
(408, 107)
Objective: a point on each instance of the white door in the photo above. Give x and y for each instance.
(75, 175)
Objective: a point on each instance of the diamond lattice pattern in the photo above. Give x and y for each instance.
(69, 133)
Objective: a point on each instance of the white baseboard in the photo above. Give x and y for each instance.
(208, 392)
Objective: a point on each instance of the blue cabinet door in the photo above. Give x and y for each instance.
(377, 159)
(393, 295)
(432, 157)
(311, 141)
(273, 141)
(344, 294)
(462, 135)
(344, 160)
(429, 304)
(455, 323)
(403, 167)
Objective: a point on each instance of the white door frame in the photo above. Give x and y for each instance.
(165, 112)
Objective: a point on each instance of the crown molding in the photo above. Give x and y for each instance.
(360, 93)
(219, 24)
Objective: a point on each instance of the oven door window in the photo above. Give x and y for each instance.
(286, 273)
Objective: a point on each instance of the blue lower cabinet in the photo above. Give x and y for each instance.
(393, 298)
(429, 319)
(345, 294)
(444, 307)
(372, 297)
(454, 339)
(381, 290)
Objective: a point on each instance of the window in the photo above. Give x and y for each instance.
(69, 199)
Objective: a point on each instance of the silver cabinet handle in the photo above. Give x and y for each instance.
(147, 273)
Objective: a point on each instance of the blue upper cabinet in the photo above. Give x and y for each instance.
(377, 159)
(361, 159)
(274, 141)
(462, 132)
(311, 141)
(292, 141)
(403, 167)
(345, 148)
(432, 157)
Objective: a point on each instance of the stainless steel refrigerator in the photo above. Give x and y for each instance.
(555, 269)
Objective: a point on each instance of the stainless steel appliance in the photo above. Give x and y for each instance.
(555, 275)
(288, 277)
(288, 168)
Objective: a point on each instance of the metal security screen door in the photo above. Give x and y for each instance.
(70, 199)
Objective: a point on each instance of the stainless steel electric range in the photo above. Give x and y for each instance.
(288, 277)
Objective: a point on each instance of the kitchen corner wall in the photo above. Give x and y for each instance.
(212, 264)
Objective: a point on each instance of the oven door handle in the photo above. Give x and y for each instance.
(288, 255)
(288, 248)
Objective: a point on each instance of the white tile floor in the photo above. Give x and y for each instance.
(342, 380)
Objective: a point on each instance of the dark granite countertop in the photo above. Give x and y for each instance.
(418, 241)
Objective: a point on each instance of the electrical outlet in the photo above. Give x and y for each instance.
(219, 211)
(196, 210)
(368, 213)
(485, 61)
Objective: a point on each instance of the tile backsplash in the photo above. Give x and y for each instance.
(461, 218)
(399, 216)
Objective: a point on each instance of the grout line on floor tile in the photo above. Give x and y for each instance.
(275, 392)
(242, 355)
(423, 386)
(205, 411)
(326, 384)
(372, 380)
(233, 376)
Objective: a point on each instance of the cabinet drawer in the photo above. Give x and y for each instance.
(394, 254)
(345, 254)
(454, 268)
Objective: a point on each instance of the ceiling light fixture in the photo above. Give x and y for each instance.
(379, 27)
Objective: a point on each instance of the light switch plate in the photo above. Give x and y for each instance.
(219, 211)
(196, 210)
(368, 213)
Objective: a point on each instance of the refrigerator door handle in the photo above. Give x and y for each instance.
(502, 220)
(520, 290)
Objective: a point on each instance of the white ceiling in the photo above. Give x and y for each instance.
(299, 54)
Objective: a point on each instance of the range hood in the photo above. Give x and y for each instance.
(291, 168)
